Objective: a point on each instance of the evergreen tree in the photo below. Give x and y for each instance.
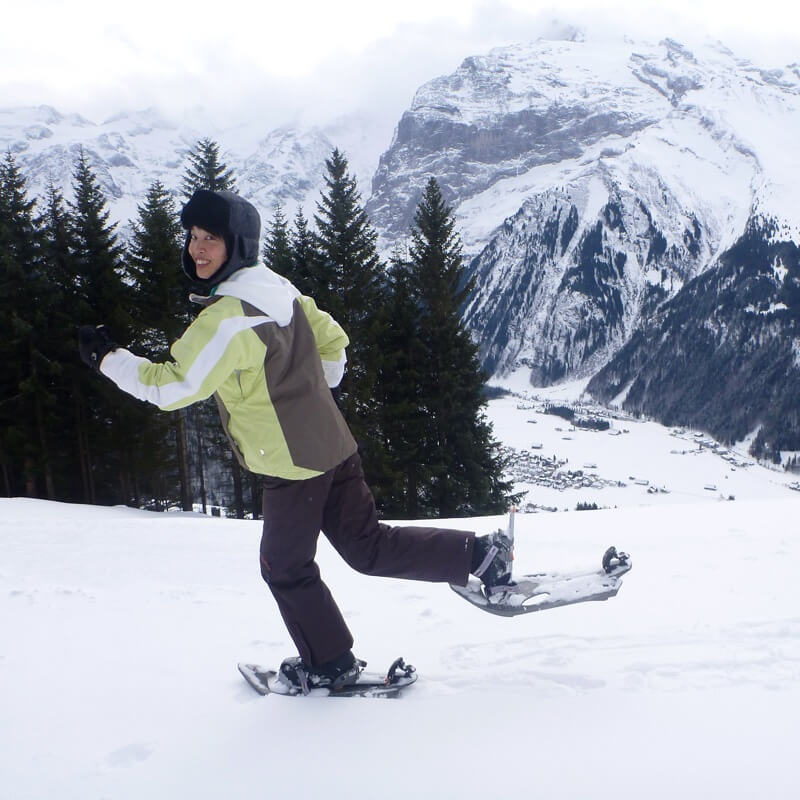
(161, 313)
(464, 459)
(163, 308)
(400, 381)
(57, 243)
(348, 282)
(106, 422)
(67, 371)
(97, 257)
(304, 255)
(27, 298)
(205, 170)
(277, 250)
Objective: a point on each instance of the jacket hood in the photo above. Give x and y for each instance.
(262, 288)
(228, 215)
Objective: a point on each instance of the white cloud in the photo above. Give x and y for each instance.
(315, 59)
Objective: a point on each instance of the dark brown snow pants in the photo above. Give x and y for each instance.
(340, 504)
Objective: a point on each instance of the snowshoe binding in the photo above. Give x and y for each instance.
(298, 677)
(614, 559)
(496, 554)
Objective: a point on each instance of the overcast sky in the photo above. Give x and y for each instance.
(317, 58)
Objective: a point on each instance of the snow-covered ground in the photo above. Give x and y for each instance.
(120, 631)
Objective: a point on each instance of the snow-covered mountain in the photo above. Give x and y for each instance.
(129, 151)
(593, 181)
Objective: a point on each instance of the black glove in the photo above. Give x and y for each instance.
(94, 343)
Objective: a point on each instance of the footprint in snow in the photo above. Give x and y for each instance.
(129, 755)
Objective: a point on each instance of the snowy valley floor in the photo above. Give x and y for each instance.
(120, 631)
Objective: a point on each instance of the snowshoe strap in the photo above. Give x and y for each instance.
(499, 592)
(346, 678)
(302, 676)
(488, 558)
(398, 664)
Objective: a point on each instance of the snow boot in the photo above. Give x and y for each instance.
(491, 559)
(298, 676)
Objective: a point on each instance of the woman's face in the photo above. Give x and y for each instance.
(207, 251)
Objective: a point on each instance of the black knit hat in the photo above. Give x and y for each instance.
(227, 215)
(208, 211)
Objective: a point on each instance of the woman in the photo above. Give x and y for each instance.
(271, 357)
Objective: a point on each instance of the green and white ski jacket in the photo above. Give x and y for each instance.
(269, 355)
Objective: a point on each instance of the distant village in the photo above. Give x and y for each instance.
(530, 467)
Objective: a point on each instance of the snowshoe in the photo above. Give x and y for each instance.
(367, 684)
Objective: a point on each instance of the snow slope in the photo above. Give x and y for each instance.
(121, 630)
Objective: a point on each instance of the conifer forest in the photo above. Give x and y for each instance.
(413, 393)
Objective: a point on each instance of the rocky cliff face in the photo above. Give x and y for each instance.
(497, 117)
(562, 286)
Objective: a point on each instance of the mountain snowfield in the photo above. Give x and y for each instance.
(121, 630)
(130, 150)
